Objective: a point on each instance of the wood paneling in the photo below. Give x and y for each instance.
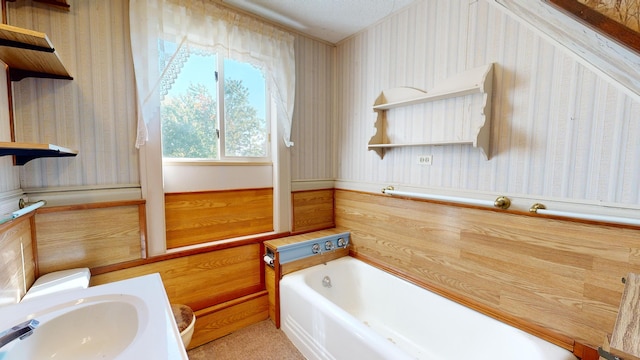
(312, 210)
(219, 321)
(89, 235)
(17, 272)
(558, 274)
(225, 287)
(203, 279)
(199, 217)
(270, 284)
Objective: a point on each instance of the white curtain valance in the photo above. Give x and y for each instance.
(202, 23)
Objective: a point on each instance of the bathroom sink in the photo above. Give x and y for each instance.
(129, 319)
(97, 330)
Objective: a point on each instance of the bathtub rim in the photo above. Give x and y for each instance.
(536, 330)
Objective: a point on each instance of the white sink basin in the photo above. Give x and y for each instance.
(99, 330)
(129, 319)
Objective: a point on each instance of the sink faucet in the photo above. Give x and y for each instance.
(19, 331)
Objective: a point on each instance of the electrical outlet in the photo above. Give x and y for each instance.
(425, 159)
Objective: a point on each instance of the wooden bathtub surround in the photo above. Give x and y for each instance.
(200, 217)
(18, 270)
(312, 210)
(275, 274)
(559, 275)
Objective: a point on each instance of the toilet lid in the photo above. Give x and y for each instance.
(183, 315)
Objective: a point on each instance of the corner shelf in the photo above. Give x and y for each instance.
(25, 152)
(29, 53)
(474, 81)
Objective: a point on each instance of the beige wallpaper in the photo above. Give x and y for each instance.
(95, 112)
(559, 129)
(92, 113)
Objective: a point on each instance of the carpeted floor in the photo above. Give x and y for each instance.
(249, 343)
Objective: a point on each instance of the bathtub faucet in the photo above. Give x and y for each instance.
(328, 245)
(19, 331)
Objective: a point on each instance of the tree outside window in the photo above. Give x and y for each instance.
(197, 124)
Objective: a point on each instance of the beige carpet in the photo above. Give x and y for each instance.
(249, 343)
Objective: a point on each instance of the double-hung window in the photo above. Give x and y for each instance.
(213, 108)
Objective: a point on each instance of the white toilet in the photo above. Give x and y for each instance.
(66, 280)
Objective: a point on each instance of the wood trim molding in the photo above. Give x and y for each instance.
(218, 245)
(97, 205)
(231, 302)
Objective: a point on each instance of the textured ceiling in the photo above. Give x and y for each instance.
(330, 20)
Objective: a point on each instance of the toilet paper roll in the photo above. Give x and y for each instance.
(268, 260)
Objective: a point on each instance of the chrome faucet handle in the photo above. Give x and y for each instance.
(342, 243)
(315, 248)
(328, 245)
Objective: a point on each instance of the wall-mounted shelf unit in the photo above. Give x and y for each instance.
(474, 132)
(29, 53)
(25, 152)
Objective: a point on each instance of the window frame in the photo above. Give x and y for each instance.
(223, 158)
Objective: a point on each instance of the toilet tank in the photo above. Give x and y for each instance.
(58, 281)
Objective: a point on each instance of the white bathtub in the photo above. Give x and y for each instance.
(370, 314)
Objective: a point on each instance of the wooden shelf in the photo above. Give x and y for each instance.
(474, 81)
(25, 152)
(29, 53)
(624, 339)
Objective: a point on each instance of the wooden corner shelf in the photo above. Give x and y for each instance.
(625, 343)
(29, 53)
(475, 132)
(25, 152)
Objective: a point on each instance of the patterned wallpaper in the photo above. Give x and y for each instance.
(558, 128)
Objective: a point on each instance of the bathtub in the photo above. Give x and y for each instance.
(347, 309)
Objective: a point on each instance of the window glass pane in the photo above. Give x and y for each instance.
(245, 121)
(188, 110)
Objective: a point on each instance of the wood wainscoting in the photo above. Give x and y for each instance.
(561, 275)
(224, 286)
(90, 235)
(200, 217)
(312, 210)
(19, 269)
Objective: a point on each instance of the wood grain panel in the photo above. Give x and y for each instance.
(558, 274)
(270, 284)
(219, 321)
(15, 245)
(312, 210)
(88, 235)
(203, 279)
(200, 217)
(224, 287)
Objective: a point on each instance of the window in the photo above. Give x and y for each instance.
(213, 108)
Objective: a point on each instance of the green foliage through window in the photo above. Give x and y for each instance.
(195, 122)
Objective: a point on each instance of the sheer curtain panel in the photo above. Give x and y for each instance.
(204, 24)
